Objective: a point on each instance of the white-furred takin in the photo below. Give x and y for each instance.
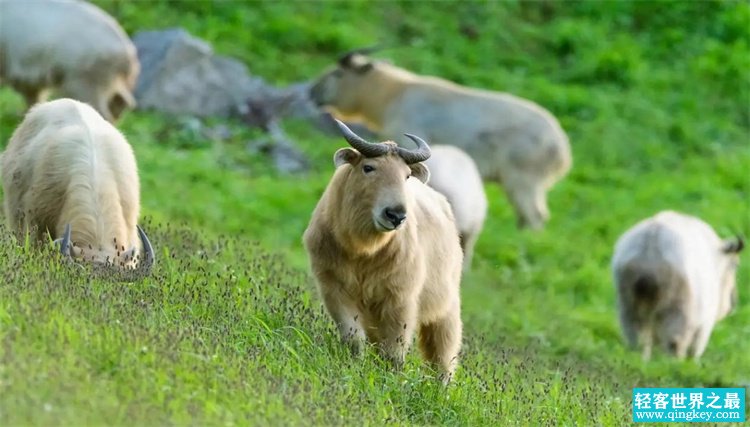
(455, 175)
(68, 172)
(514, 142)
(675, 279)
(71, 47)
(384, 249)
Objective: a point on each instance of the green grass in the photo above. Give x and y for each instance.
(229, 330)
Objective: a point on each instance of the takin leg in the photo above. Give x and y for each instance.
(674, 333)
(528, 195)
(468, 240)
(630, 328)
(678, 347)
(638, 332)
(395, 325)
(646, 341)
(700, 341)
(348, 319)
(440, 342)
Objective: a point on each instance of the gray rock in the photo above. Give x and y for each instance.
(287, 158)
(180, 74)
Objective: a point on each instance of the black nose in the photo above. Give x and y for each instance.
(395, 214)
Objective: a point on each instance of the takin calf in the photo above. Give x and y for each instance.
(385, 252)
(454, 175)
(71, 46)
(68, 172)
(515, 142)
(675, 280)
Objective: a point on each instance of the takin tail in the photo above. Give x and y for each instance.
(640, 293)
(645, 290)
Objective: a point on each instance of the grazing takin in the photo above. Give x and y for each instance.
(515, 142)
(454, 175)
(68, 172)
(72, 47)
(385, 252)
(675, 280)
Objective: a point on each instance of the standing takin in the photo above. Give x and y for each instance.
(454, 175)
(72, 47)
(386, 255)
(515, 142)
(68, 172)
(675, 280)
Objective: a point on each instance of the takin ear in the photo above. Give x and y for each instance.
(345, 155)
(364, 68)
(360, 64)
(420, 171)
(733, 245)
(346, 60)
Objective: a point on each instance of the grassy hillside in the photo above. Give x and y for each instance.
(655, 98)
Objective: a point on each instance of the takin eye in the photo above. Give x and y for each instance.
(368, 168)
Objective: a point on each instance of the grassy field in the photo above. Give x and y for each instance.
(229, 330)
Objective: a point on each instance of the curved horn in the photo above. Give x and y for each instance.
(148, 250)
(65, 242)
(367, 149)
(420, 154)
(735, 245)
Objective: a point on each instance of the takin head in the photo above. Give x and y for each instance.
(375, 189)
(127, 260)
(344, 85)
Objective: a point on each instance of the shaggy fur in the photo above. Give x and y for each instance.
(72, 47)
(66, 165)
(675, 280)
(455, 175)
(514, 142)
(385, 285)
